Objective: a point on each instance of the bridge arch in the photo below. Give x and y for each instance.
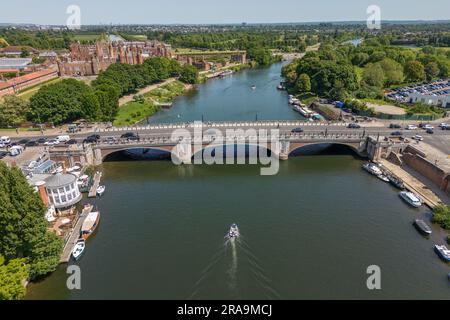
(317, 147)
(137, 153)
(246, 147)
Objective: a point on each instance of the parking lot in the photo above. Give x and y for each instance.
(436, 88)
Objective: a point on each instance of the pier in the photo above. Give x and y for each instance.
(95, 184)
(74, 236)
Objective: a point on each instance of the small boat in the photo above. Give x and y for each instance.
(422, 227)
(101, 190)
(226, 73)
(253, 87)
(411, 199)
(233, 232)
(90, 224)
(442, 252)
(383, 177)
(372, 169)
(396, 182)
(78, 249)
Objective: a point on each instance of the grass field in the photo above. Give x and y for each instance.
(166, 93)
(133, 112)
(87, 37)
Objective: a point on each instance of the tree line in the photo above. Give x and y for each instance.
(346, 71)
(27, 249)
(70, 99)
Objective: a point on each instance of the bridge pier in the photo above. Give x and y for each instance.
(182, 153)
(285, 146)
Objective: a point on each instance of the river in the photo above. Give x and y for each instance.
(309, 232)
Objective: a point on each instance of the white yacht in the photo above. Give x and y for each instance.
(78, 249)
(411, 199)
(372, 168)
(101, 190)
(443, 252)
(383, 177)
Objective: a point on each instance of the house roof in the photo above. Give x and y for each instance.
(26, 78)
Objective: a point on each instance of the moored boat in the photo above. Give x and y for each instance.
(78, 249)
(90, 224)
(442, 252)
(101, 190)
(226, 73)
(396, 182)
(372, 169)
(411, 199)
(383, 177)
(422, 227)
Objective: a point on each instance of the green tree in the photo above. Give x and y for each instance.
(432, 70)
(374, 75)
(441, 216)
(414, 71)
(13, 110)
(12, 277)
(23, 228)
(303, 83)
(189, 74)
(393, 71)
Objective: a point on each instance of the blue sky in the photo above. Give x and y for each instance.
(214, 11)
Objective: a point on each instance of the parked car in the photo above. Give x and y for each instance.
(4, 141)
(297, 130)
(353, 126)
(16, 150)
(418, 137)
(3, 154)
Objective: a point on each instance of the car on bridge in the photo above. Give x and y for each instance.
(395, 126)
(42, 140)
(353, 126)
(411, 127)
(429, 131)
(72, 141)
(417, 137)
(297, 130)
(31, 144)
(396, 133)
(130, 136)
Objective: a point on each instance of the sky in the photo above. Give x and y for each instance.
(215, 11)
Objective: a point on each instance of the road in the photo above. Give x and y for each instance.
(440, 139)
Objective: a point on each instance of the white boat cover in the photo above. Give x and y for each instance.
(90, 221)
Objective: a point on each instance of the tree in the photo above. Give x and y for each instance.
(189, 74)
(303, 83)
(23, 228)
(62, 102)
(13, 110)
(393, 71)
(414, 71)
(432, 70)
(12, 278)
(374, 75)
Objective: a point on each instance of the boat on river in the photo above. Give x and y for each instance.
(78, 249)
(233, 232)
(90, 224)
(382, 177)
(101, 190)
(442, 252)
(226, 73)
(422, 227)
(396, 182)
(372, 168)
(411, 199)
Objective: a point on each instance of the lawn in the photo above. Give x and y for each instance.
(133, 112)
(166, 93)
(87, 37)
(29, 92)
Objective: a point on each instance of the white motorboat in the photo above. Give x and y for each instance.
(372, 168)
(411, 199)
(233, 232)
(383, 177)
(78, 249)
(101, 190)
(443, 252)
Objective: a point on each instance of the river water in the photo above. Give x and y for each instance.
(308, 232)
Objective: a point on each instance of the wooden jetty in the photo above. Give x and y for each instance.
(75, 235)
(95, 184)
